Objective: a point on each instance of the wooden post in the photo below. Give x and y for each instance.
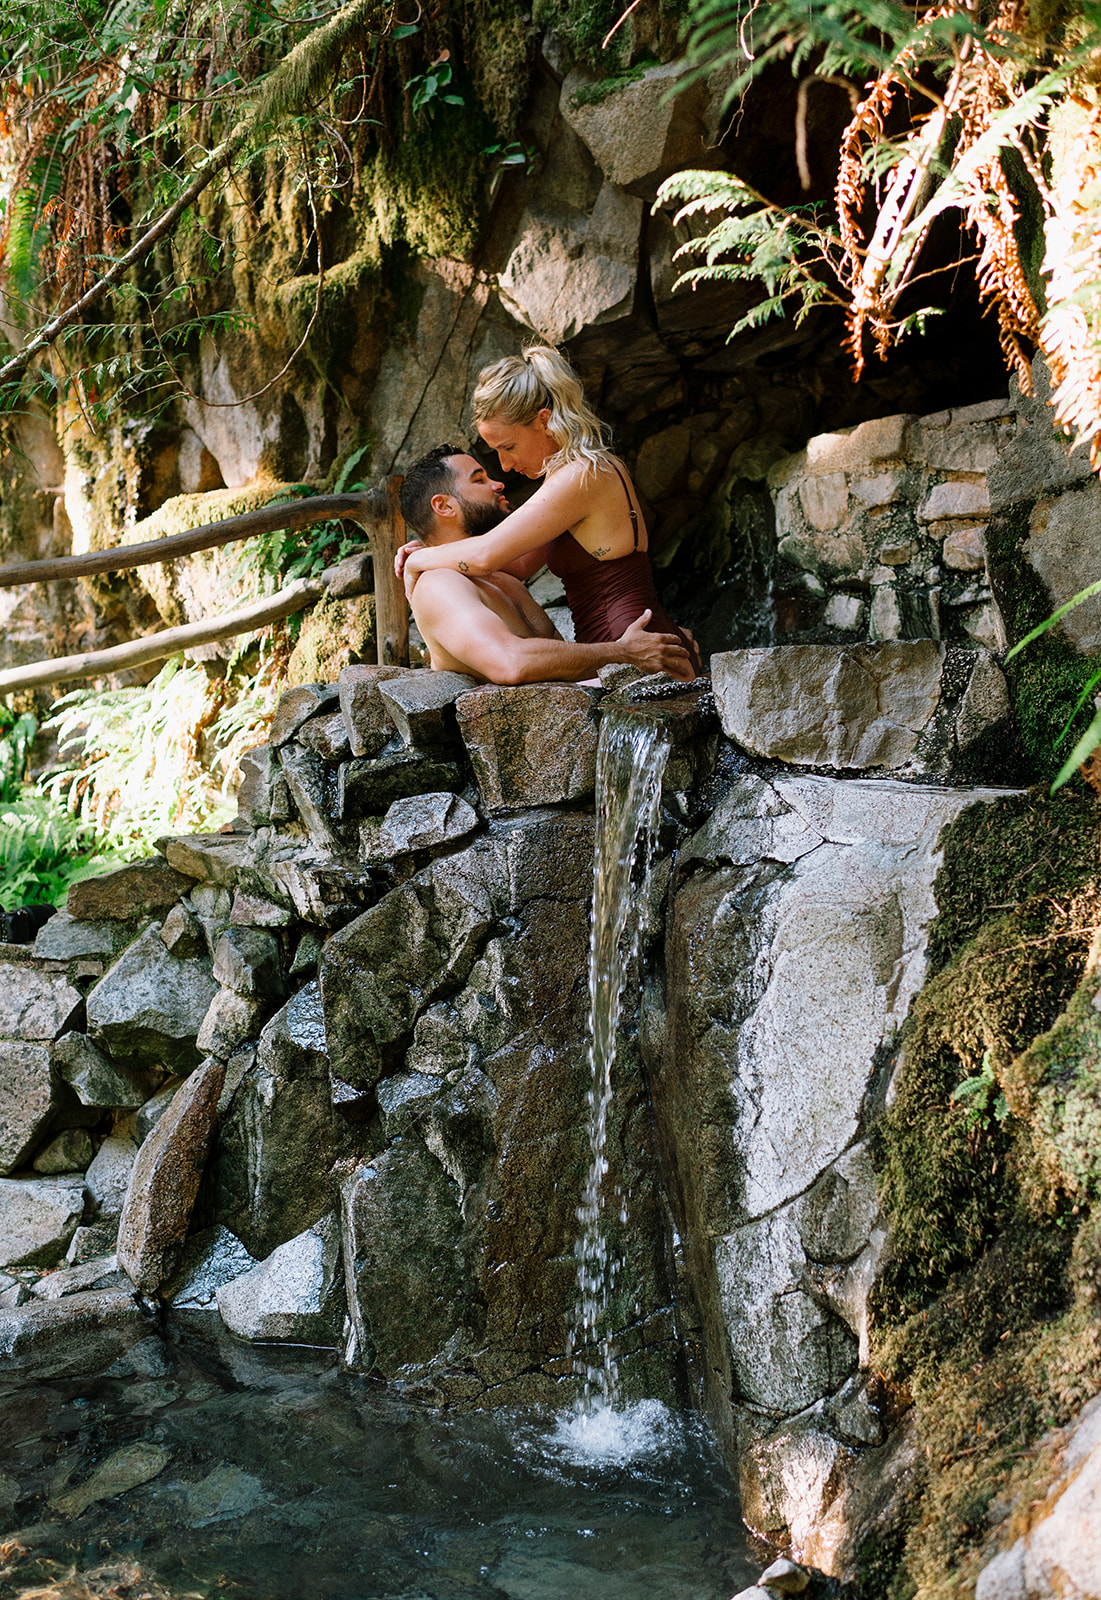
(384, 526)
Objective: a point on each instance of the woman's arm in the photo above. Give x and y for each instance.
(555, 506)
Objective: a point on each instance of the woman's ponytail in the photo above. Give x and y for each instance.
(517, 388)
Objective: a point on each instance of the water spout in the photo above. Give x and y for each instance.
(630, 761)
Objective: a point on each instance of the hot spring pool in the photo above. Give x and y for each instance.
(270, 1475)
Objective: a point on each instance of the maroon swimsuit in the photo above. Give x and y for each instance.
(605, 597)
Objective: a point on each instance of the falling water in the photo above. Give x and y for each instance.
(630, 762)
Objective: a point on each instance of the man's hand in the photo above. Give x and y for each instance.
(655, 652)
(403, 555)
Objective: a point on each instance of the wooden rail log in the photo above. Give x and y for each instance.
(159, 646)
(361, 508)
(376, 511)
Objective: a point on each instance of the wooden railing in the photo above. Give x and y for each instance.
(377, 513)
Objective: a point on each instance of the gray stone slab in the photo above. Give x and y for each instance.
(368, 788)
(64, 938)
(366, 718)
(36, 1003)
(249, 961)
(296, 1293)
(140, 889)
(98, 1081)
(422, 706)
(297, 706)
(531, 745)
(149, 1007)
(210, 1260)
(28, 1098)
(311, 790)
(38, 1217)
(420, 822)
(70, 1151)
(211, 857)
(78, 1335)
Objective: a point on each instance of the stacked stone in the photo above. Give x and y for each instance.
(182, 1112)
(924, 527)
(325, 1074)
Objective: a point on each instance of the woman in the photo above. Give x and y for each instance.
(531, 410)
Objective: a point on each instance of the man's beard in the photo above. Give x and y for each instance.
(479, 516)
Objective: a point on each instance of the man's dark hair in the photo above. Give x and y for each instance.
(429, 476)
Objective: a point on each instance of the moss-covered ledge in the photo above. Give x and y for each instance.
(989, 1312)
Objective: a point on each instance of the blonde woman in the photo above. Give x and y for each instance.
(584, 522)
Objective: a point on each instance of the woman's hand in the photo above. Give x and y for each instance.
(403, 556)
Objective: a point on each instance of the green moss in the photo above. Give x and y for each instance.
(499, 44)
(335, 634)
(591, 94)
(1057, 1083)
(1046, 679)
(427, 192)
(988, 1310)
(998, 856)
(585, 24)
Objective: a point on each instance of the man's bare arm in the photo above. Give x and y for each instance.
(449, 611)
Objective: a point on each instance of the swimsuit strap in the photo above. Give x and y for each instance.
(630, 502)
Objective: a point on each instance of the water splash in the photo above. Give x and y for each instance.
(630, 761)
(605, 1437)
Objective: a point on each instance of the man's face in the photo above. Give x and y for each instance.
(481, 497)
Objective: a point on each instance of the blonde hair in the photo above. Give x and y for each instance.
(517, 388)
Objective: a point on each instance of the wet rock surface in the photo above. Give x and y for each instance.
(795, 944)
(149, 1007)
(531, 746)
(296, 1293)
(165, 1180)
(27, 1099)
(38, 1217)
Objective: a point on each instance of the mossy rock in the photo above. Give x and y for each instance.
(335, 634)
(989, 1308)
(1047, 679)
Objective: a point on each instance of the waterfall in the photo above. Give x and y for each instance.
(630, 761)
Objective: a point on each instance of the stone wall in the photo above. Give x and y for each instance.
(897, 529)
(325, 1074)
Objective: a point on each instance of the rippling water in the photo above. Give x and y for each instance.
(284, 1479)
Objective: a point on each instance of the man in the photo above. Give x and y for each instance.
(490, 626)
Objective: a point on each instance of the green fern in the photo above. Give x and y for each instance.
(790, 252)
(44, 850)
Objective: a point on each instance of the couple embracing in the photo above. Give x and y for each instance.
(465, 573)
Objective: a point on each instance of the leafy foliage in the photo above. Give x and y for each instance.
(141, 762)
(44, 850)
(756, 241)
(114, 109)
(951, 102)
(17, 733)
(1090, 740)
